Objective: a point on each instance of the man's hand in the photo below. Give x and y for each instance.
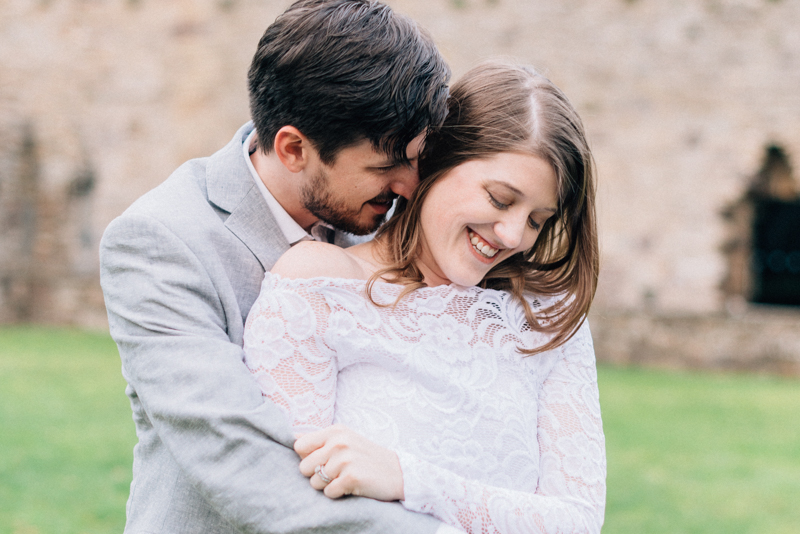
(354, 464)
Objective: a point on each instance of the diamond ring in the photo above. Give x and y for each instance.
(320, 471)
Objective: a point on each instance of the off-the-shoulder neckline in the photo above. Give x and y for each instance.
(474, 290)
(359, 281)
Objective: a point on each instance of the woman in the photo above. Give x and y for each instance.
(452, 350)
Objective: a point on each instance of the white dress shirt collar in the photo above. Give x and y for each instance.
(293, 232)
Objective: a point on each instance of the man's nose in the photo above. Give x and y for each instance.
(405, 181)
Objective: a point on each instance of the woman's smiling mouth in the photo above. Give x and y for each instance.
(482, 247)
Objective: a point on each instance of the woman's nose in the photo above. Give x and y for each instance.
(511, 231)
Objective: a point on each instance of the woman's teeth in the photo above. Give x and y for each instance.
(481, 246)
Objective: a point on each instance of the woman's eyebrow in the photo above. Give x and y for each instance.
(507, 185)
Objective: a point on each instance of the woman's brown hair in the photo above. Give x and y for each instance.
(499, 108)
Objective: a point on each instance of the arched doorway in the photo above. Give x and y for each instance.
(764, 250)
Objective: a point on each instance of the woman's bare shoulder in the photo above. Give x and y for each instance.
(311, 259)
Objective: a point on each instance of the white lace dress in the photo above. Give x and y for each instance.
(488, 440)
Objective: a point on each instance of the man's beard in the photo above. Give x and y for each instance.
(319, 200)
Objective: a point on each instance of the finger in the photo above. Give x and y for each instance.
(341, 486)
(331, 468)
(324, 475)
(317, 483)
(337, 488)
(318, 457)
(308, 443)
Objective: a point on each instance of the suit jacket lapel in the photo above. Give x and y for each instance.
(231, 188)
(254, 225)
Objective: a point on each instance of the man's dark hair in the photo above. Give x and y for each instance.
(341, 71)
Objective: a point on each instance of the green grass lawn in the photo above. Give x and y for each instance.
(66, 433)
(701, 453)
(687, 453)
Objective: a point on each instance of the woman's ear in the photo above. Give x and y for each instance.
(293, 149)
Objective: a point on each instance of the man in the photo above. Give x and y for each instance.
(341, 93)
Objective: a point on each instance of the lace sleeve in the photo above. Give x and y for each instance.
(571, 493)
(284, 350)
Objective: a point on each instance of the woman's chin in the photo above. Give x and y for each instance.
(466, 279)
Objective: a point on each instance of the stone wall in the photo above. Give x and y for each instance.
(764, 340)
(101, 99)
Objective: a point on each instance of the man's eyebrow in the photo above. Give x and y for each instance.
(382, 164)
(391, 162)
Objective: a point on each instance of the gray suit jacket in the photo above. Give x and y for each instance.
(180, 270)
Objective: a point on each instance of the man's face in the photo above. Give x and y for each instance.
(355, 192)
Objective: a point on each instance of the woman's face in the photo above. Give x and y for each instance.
(481, 213)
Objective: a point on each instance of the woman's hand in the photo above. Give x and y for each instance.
(354, 464)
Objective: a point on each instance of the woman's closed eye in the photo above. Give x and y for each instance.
(497, 204)
(503, 206)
